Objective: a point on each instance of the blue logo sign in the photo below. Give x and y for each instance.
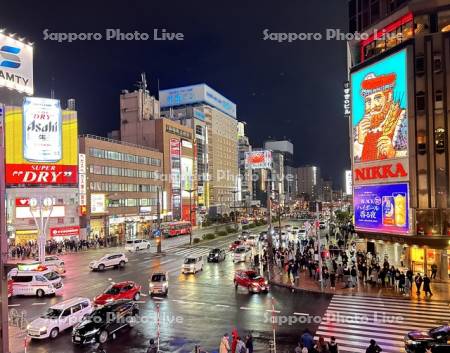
(9, 57)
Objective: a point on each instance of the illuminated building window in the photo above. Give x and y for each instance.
(439, 138)
(437, 63)
(439, 100)
(444, 21)
(421, 143)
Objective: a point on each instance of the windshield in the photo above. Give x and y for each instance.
(51, 276)
(439, 331)
(240, 250)
(189, 261)
(97, 315)
(51, 314)
(215, 251)
(112, 290)
(130, 241)
(158, 278)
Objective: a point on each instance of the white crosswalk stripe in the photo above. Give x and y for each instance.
(355, 320)
(196, 251)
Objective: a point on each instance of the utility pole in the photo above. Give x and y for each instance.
(4, 338)
(269, 215)
(319, 247)
(158, 221)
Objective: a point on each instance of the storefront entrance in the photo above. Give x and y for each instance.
(97, 228)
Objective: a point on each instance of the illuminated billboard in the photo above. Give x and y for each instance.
(186, 175)
(348, 182)
(200, 93)
(98, 203)
(258, 160)
(382, 208)
(16, 65)
(379, 109)
(41, 144)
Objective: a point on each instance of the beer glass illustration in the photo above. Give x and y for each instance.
(388, 211)
(400, 209)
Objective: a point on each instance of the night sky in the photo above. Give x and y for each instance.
(291, 90)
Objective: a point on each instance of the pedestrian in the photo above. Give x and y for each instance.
(224, 344)
(234, 335)
(418, 280)
(373, 347)
(426, 285)
(240, 346)
(152, 348)
(333, 346)
(249, 343)
(307, 339)
(433, 271)
(333, 280)
(322, 346)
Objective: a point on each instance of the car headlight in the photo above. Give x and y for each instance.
(216, 255)
(151, 285)
(266, 282)
(165, 285)
(109, 300)
(43, 329)
(28, 326)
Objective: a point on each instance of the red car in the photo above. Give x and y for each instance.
(122, 290)
(236, 244)
(250, 280)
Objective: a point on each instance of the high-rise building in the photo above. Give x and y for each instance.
(286, 148)
(399, 79)
(309, 182)
(220, 118)
(245, 173)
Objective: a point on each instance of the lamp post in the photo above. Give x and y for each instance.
(43, 207)
(190, 191)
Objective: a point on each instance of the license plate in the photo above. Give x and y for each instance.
(76, 338)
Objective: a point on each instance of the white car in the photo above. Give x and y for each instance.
(53, 260)
(137, 244)
(59, 317)
(192, 264)
(109, 260)
(38, 282)
(252, 240)
(159, 283)
(301, 234)
(242, 254)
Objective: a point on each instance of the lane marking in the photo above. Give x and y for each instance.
(144, 295)
(302, 314)
(13, 305)
(109, 279)
(39, 304)
(222, 306)
(158, 298)
(244, 308)
(273, 311)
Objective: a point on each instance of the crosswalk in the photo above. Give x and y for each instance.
(355, 320)
(186, 251)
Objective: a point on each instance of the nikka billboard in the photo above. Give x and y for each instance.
(41, 143)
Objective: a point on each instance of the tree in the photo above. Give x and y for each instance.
(342, 217)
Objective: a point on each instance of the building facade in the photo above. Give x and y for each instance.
(119, 198)
(309, 182)
(245, 174)
(400, 81)
(220, 117)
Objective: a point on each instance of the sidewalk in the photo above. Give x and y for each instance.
(441, 291)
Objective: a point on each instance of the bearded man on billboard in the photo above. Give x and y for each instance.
(382, 133)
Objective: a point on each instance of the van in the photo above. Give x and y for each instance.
(137, 244)
(59, 317)
(39, 282)
(192, 264)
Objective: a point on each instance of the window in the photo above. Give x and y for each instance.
(85, 304)
(40, 279)
(437, 63)
(438, 100)
(420, 101)
(444, 21)
(66, 313)
(76, 308)
(439, 136)
(60, 221)
(421, 142)
(420, 65)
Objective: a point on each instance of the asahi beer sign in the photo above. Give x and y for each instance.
(41, 144)
(42, 130)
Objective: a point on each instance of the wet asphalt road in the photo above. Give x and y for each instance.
(198, 310)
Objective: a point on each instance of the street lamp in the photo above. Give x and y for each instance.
(190, 191)
(43, 207)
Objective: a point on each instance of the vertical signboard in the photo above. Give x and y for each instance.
(82, 181)
(175, 174)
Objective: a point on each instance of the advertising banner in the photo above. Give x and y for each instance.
(382, 171)
(54, 212)
(379, 101)
(98, 203)
(16, 65)
(258, 160)
(41, 144)
(72, 231)
(382, 208)
(186, 176)
(175, 173)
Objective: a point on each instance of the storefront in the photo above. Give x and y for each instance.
(423, 258)
(97, 228)
(24, 237)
